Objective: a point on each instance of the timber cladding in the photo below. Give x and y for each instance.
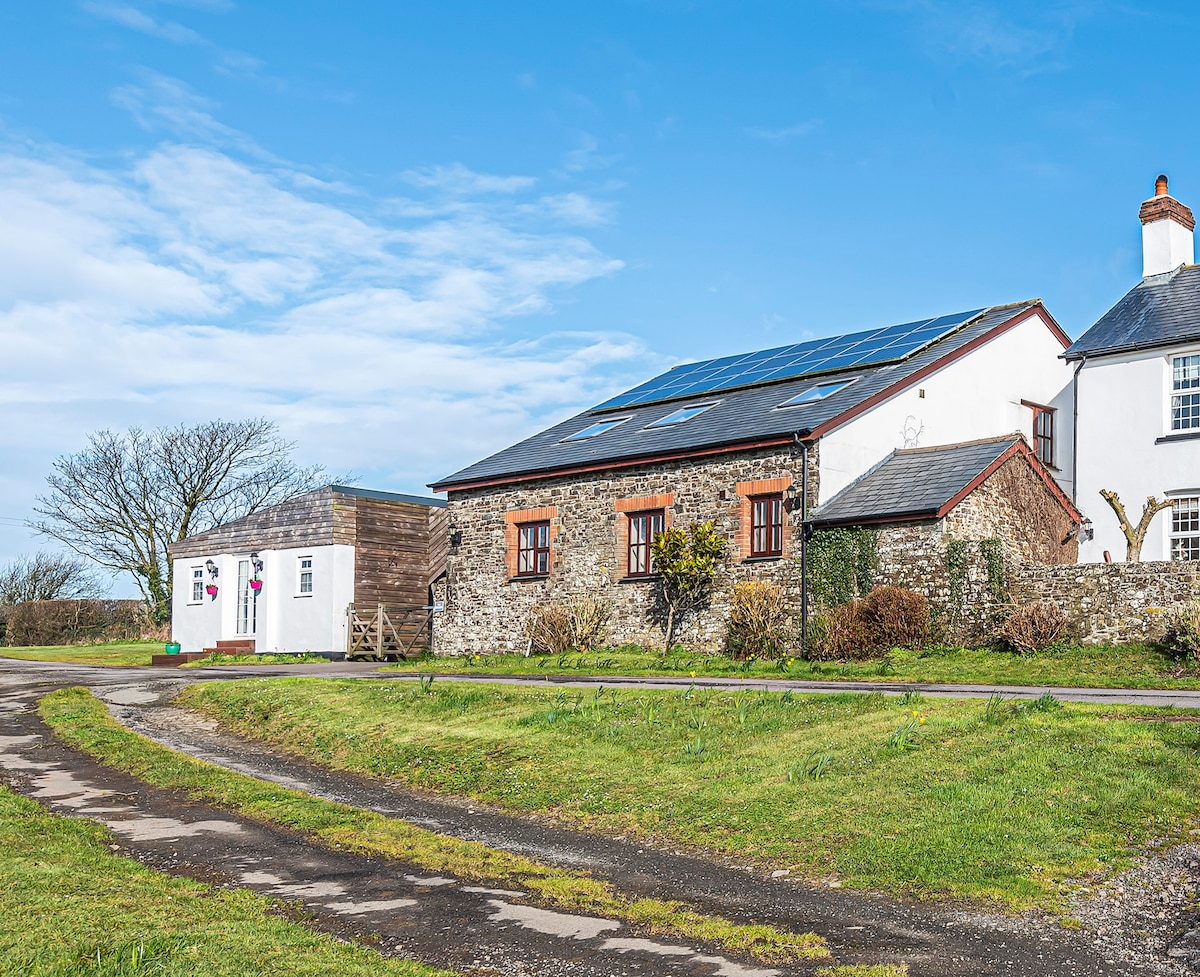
(317, 518)
(395, 551)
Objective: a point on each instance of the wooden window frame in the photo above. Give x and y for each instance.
(197, 595)
(1185, 399)
(539, 551)
(747, 493)
(642, 548)
(513, 521)
(1043, 443)
(766, 534)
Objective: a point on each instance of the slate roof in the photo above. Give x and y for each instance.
(912, 483)
(740, 417)
(1163, 310)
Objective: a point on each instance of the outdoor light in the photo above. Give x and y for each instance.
(211, 568)
(1085, 531)
(793, 497)
(256, 562)
(455, 535)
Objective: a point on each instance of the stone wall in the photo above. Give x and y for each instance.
(486, 606)
(1015, 505)
(1111, 602)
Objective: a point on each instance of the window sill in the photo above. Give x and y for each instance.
(1185, 436)
(526, 578)
(644, 578)
(299, 596)
(763, 559)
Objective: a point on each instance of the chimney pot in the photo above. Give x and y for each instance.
(1160, 186)
(1167, 227)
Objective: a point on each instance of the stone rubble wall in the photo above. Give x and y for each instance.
(1111, 602)
(486, 609)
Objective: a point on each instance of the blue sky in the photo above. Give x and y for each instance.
(415, 233)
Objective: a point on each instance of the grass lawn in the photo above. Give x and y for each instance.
(81, 720)
(1118, 666)
(69, 907)
(995, 800)
(112, 653)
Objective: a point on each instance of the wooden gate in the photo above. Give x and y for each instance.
(383, 632)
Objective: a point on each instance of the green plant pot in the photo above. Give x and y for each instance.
(172, 647)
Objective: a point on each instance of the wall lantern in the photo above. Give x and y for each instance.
(455, 535)
(211, 568)
(256, 562)
(1085, 531)
(793, 497)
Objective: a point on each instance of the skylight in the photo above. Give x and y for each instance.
(815, 393)
(593, 430)
(681, 415)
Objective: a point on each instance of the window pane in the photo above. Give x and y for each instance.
(1185, 528)
(1185, 398)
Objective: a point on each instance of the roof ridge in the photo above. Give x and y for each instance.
(997, 439)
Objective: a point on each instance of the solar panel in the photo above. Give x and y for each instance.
(868, 348)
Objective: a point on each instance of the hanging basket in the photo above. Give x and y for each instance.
(256, 585)
(211, 590)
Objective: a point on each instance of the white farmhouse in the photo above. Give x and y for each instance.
(289, 578)
(1137, 397)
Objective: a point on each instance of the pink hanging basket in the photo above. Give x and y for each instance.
(256, 585)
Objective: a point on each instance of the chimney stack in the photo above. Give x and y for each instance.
(1167, 227)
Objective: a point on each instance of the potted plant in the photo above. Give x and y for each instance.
(211, 590)
(256, 584)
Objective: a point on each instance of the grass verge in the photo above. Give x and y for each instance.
(82, 721)
(1115, 666)
(1001, 800)
(69, 907)
(110, 653)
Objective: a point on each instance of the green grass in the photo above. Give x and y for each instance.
(264, 659)
(81, 720)
(70, 908)
(111, 653)
(1118, 666)
(994, 801)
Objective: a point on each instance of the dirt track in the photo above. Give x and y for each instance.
(451, 924)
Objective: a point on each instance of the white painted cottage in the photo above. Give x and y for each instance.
(1137, 396)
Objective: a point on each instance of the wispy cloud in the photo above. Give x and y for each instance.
(200, 280)
(1003, 35)
(785, 133)
(138, 20)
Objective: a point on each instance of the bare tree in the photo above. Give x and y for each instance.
(1135, 536)
(126, 497)
(47, 576)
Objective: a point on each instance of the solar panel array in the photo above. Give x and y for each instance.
(873, 347)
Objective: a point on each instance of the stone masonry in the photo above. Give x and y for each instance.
(487, 604)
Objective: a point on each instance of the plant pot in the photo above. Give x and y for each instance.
(172, 647)
(256, 585)
(211, 590)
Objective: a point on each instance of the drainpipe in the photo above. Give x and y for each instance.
(1075, 433)
(803, 542)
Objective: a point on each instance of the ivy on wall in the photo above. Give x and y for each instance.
(842, 564)
(956, 571)
(992, 551)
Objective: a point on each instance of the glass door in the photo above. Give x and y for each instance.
(247, 601)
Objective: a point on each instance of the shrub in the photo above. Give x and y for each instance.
(758, 622)
(1034, 627)
(579, 624)
(1182, 638)
(888, 617)
(67, 622)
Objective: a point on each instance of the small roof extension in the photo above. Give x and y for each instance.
(1160, 311)
(714, 418)
(926, 483)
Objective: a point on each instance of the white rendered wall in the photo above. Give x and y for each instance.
(1124, 407)
(977, 396)
(1166, 245)
(287, 620)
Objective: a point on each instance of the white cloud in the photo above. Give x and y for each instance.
(139, 20)
(192, 282)
(785, 133)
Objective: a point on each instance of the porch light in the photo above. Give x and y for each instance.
(455, 535)
(1085, 531)
(793, 497)
(211, 568)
